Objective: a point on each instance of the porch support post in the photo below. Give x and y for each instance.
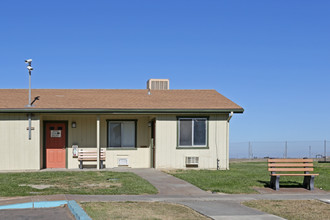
(98, 141)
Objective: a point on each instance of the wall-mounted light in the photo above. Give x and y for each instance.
(74, 124)
(149, 124)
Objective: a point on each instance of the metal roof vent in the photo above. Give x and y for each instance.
(158, 84)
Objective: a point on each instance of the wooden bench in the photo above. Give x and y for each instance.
(291, 165)
(90, 155)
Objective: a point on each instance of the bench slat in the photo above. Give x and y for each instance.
(89, 152)
(91, 159)
(90, 155)
(289, 169)
(290, 165)
(289, 160)
(294, 174)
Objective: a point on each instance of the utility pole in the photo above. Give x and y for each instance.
(29, 67)
(325, 150)
(286, 150)
(310, 151)
(250, 151)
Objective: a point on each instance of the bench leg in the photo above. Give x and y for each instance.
(272, 180)
(308, 182)
(101, 164)
(275, 182)
(81, 164)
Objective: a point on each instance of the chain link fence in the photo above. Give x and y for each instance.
(279, 149)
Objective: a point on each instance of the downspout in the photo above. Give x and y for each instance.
(227, 140)
(230, 116)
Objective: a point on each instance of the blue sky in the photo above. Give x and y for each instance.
(270, 57)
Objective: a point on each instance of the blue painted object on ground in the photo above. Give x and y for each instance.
(77, 211)
(30, 205)
(49, 204)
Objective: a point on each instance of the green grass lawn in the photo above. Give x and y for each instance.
(243, 176)
(87, 182)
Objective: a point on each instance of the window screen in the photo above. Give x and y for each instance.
(192, 132)
(185, 132)
(121, 133)
(199, 132)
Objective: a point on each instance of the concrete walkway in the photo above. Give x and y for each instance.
(167, 184)
(174, 190)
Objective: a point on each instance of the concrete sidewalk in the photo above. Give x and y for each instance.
(167, 184)
(227, 210)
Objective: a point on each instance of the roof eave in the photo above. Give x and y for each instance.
(137, 111)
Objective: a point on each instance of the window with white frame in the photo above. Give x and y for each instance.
(192, 132)
(121, 133)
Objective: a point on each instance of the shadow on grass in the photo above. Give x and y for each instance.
(286, 184)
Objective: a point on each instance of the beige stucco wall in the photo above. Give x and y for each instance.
(168, 156)
(17, 152)
(84, 135)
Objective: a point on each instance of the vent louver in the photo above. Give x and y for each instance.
(192, 161)
(158, 84)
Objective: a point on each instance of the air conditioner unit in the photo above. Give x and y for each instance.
(192, 161)
(122, 162)
(158, 84)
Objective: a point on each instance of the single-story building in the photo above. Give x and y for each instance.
(138, 128)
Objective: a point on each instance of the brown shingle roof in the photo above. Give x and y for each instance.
(112, 99)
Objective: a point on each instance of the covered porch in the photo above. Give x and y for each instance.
(126, 139)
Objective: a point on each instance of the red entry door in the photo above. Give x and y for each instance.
(55, 145)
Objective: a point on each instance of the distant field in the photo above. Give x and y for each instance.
(244, 175)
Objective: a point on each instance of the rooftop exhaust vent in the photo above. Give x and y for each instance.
(158, 84)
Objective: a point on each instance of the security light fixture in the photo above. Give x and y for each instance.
(74, 124)
(35, 99)
(28, 61)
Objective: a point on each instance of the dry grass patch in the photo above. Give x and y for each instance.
(139, 210)
(293, 209)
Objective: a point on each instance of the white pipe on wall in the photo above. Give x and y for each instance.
(227, 140)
